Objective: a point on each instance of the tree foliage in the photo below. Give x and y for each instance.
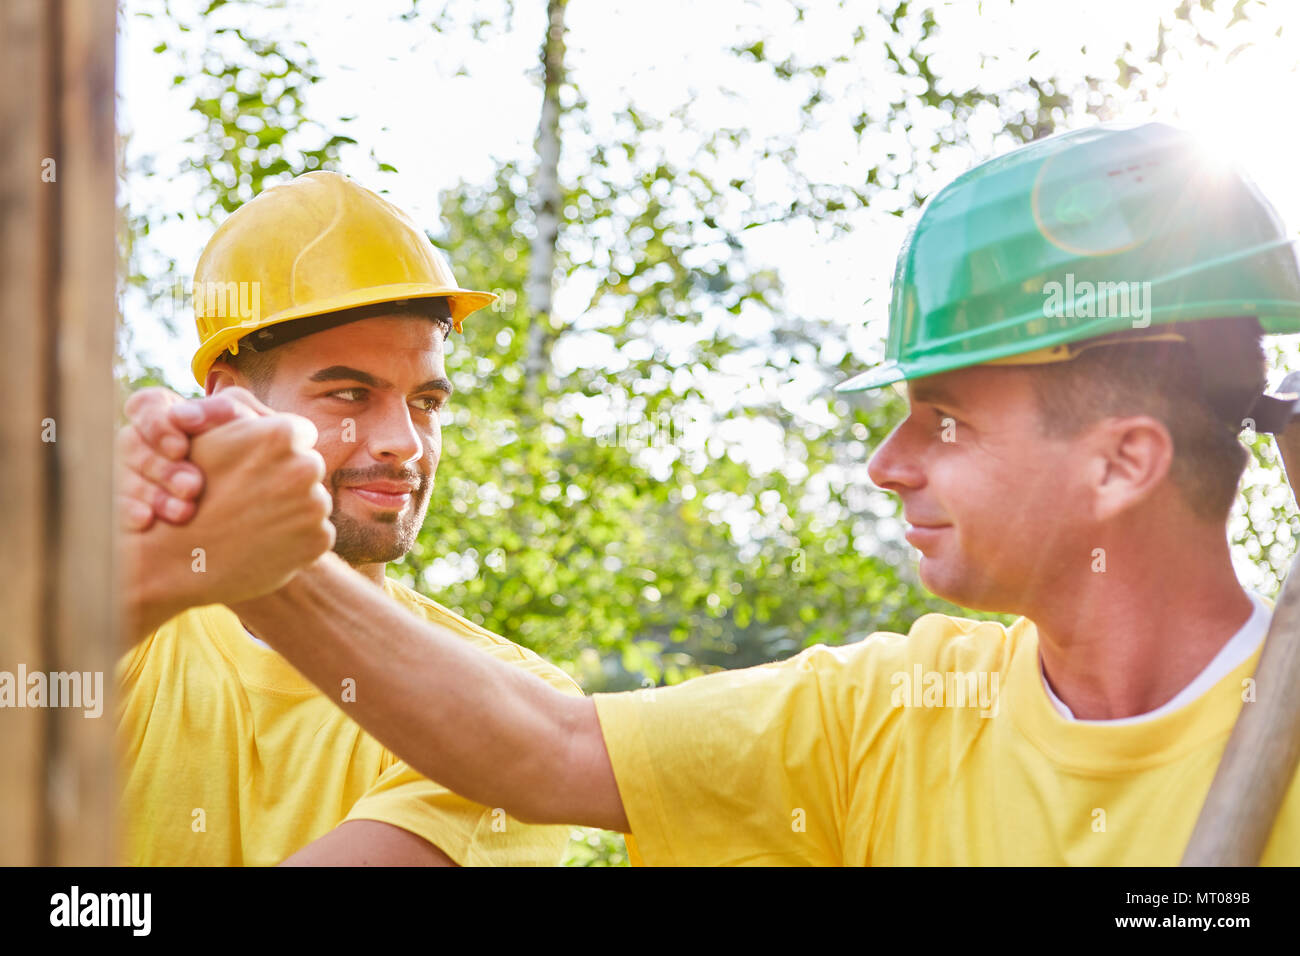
(608, 511)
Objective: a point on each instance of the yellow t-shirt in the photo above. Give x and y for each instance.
(231, 757)
(935, 748)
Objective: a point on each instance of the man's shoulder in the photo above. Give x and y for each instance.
(935, 641)
(187, 630)
(494, 644)
(436, 613)
(962, 642)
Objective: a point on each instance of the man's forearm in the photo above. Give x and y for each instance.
(154, 583)
(491, 732)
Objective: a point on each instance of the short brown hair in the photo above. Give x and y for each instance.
(1169, 381)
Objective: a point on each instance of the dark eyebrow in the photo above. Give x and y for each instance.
(933, 394)
(335, 372)
(436, 385)
(338, 372)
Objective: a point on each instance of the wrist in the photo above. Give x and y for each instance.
(294, 591)
(158, 583)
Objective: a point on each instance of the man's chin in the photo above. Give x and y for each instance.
(372, 541)
(934, 579)
(959, 586)
(361, 555)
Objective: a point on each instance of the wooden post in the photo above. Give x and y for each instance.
(57, 420)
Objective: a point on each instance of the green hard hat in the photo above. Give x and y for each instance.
(1079, 235)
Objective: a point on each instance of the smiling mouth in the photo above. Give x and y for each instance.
(382, 498)
(922, 534)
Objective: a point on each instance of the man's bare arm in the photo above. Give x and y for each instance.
(491, 732)
(369, 843)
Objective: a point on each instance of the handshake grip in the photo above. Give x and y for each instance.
(264, 513)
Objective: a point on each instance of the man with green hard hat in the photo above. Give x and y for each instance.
(1078, 324)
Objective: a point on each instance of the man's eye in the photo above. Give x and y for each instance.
(349, 394)
(429, 405)
(945, 426)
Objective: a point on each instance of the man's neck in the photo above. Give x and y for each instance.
(374, 573)
(1127, 639)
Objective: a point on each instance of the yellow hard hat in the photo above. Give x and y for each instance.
(317, 244)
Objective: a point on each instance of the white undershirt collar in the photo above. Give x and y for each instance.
(257, 640)
(1238, 648)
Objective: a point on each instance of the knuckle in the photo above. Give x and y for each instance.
(324, 539)
(153, 497)
(246, 404)
(156, 498)
(302, 471)
(312, 541)
(276, 431)
(149, 419)
(153, 395)
(148, 403)
(317, 465)
(154, 428)
(136, 488)
(128, 484)
(225, 407)
(133, 516)
(304, 431)
(178, 511)
(155, 468)
(130, 448)
(193, 483)
(322, 505)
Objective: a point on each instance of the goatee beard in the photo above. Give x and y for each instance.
(388, 535)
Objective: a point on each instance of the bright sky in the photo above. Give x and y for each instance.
(441, 108)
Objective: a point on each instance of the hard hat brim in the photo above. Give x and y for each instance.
(462, 303)
(887, 373)
(1279, 317)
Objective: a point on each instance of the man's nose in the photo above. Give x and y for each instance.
(393, 437)
(896, 463)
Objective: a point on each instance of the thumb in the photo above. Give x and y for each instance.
(202, 414)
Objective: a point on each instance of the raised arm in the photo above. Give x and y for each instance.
(493, 733)
(264, 515)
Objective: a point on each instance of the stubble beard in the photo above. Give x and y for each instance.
(386, 535)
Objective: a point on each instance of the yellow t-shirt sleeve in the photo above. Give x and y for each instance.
(471, 834)
(745, 767)
(129, 662)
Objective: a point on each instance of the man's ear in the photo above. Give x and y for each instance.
(1132, 457)
(222, 375)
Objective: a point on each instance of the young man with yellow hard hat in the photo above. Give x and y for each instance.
(1070, 458)
(322, 311)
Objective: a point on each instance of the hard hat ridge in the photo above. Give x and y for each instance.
(1082, 235)
(315, 245)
